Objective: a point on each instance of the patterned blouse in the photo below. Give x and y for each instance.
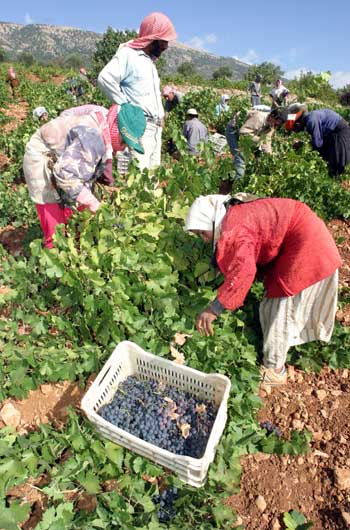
(70, 149)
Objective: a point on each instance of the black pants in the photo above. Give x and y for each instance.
(336, 149)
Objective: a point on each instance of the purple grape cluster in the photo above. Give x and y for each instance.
(270, 427)
(162, 415)
(166, 501)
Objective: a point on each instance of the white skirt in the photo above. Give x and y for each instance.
(293, 320)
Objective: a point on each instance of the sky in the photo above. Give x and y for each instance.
(296, 34)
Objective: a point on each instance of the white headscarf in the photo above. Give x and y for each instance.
(39, 111)
(208, 211)
(223, 100)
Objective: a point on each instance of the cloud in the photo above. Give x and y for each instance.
(250, 57)
(201, 42)
(211, 38)
(340, 79)
(296, 72)
(337, 80)
(28, 19)
(294, 53)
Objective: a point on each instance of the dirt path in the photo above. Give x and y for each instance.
(47, 404)
(17, 112)
(340, 231)
(12, 239)
(317, 484)
(4, 161)
(33, 77)
(58, 79)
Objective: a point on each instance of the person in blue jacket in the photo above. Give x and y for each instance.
(330, 134)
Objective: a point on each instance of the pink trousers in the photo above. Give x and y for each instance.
(51, 215)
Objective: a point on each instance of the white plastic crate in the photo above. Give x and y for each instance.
(129, 359)
(123, 160)
(218, 142)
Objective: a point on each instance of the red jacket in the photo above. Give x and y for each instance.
(283, 240)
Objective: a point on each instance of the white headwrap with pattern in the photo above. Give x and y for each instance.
(208, 211)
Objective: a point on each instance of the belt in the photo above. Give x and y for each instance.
(151, 119)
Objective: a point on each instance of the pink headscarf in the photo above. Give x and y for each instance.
(167, 90)
(11, 74)
(81, 110)
(155, 26)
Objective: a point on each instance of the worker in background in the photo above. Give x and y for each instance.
(279, 95)
(194, 131)
(255, 90)
(41, 114)
(13, 80)
(260, 126)
(172, 97)
(330, 134)
(223, 106)
(294, 254)
(83, 75)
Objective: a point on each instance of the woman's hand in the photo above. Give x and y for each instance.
(204, 322)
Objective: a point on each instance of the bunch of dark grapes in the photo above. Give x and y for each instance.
(270, 427)
(165, 501)
(162, 415)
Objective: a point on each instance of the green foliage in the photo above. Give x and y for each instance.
(268, 71)
(3, 56)
(11, 516)
(222, 72)
(297, 445)
(74, 60)
(187, 69)
(300, 175)
(108, 46)
(311, 85)
(161, 65)
(26, 58)
(295, 520)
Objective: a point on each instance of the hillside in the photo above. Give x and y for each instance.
(48, 42)
(204, 62)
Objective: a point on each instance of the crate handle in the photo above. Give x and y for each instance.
(104, 371)
(104, 375)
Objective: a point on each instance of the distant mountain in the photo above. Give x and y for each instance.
(46, 42)
(204, 62)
